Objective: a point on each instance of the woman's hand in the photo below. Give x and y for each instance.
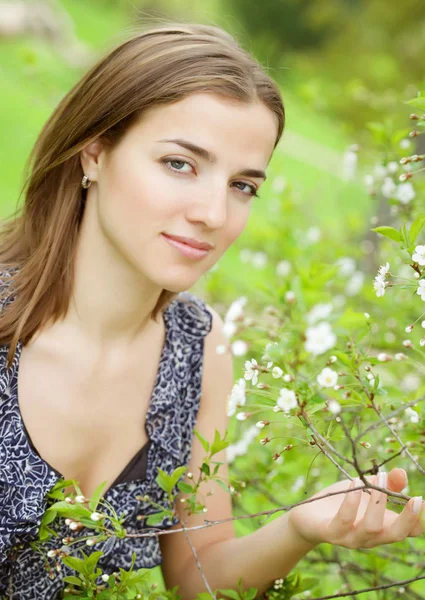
(358, 519)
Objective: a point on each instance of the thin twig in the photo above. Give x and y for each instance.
(201, 571)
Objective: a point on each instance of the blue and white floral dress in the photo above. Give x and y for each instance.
(25, 477)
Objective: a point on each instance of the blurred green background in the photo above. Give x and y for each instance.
(343, 66)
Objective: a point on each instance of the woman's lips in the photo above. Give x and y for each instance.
(185, 249)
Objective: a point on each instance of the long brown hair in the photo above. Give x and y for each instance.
(160, 65)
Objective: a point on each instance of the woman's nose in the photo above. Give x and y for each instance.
(210, 207)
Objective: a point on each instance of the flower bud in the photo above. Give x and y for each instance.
(95, 516)
(409, 328)
(105, 577)
(407, 344)
(90, 542)
(80, 499)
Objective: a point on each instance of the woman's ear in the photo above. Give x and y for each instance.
(90, 157)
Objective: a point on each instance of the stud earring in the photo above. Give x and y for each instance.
(85, 182)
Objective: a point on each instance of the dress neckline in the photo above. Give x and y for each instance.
(145, 448)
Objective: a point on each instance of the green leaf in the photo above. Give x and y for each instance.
(167, 482)
(388, 232)
(344, 358)
(205, 469)
(416, 228)
(203, 441)
(185, 487)
(218, 443)
(49, 516)
(164, 481)
(157, 517)
(230, 594)
(74, 580)
(75, 563)
(418, 102)
(250, 594)
(94, 501)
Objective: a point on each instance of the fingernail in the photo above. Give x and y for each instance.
(357, 482)
(417, 504)
(382, 479)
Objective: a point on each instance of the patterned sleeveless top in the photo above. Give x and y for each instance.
(25, 477)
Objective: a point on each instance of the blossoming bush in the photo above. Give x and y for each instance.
(331, 373)
(330, 384)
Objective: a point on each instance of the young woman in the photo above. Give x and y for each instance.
(139, 182)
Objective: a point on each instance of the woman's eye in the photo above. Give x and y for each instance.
(176, 161)
(253, 189)
(169, 161)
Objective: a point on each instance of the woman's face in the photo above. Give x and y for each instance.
(147, 187)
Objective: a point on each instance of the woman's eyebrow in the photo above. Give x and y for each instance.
(211, 157)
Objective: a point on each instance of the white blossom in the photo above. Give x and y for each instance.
(355, 284)
(237, 397)
(242, 416)
(400, 356)
(221, 349)
(278, 184)
(334, 407)
(380, 171)
(251, 373)
(389, 188)
(283, 268)
(405, 192)
(286, 400)
(95, 516)
(287, 378)
(229, 329)
(235, 310)
(327, 378)
(346, 266)
(245, 255)
(259, 260)
(239, 348)
(392, 167)
(289, 296)
(313, 235)
(384, 270)
(379, 286)
(320, 338)
(277, 372)
(410, 382)
(298, 484)
(349, 164)
(319, 312)
(419, 255)
(241, 446)
(421, 289)
(405, 144)
(369, 180)
(383, 357)
(412, 414)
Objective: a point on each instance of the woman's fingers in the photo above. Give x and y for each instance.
(343, 521)
(406, 522)
(373, 520)
(397, 479)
